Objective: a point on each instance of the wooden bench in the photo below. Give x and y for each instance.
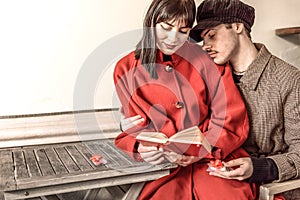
(48, 154)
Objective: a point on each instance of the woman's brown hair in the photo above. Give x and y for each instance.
(161, 11)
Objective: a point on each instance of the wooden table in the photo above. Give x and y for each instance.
(33, 171)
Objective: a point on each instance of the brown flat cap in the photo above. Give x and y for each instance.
(211, 13)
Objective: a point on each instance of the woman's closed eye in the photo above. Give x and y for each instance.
(166, 27)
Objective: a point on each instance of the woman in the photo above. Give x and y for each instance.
(174, 85)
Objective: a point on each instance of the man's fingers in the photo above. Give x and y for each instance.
(240, 178)
(232, 174)
(234, 163)
(219, 175)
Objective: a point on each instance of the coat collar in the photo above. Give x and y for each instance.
(256, 68)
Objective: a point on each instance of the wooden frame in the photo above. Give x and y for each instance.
(287, 31)
(267, 191)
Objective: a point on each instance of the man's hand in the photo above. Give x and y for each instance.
(242, 169)
(127, 123)
(151, 154)
(182, 160)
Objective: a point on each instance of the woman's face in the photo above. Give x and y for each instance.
(170, 36)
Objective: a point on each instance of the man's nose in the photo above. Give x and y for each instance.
(206, 47)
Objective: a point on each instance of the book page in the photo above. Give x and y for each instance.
(155, 137)
(189, 136)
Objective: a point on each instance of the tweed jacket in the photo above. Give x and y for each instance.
(271, 90)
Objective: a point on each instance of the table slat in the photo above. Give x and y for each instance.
(111, 155)
(43, 162)
(7, 170)
(66, 159)
(19, 162)
(81, 162)
(85, 151)
(32, 165)
(55, 161)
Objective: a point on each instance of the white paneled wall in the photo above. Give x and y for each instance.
(46, 45)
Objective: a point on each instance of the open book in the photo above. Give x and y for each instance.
(188, 141)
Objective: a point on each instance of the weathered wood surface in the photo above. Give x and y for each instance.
(51, 128)
(46, 156)
(40, 170)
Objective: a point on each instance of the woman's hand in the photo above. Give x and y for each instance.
(179, 159)
(151, 154)
(127, 123)
(242, 169)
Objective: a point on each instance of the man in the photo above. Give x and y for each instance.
(269, 86)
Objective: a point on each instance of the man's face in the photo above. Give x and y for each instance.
(221, 43)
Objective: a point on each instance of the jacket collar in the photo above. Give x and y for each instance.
(256, 68)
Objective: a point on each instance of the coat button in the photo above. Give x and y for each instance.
(179, 104)
(168, 68)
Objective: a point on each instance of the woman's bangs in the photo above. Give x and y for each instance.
(177, 15)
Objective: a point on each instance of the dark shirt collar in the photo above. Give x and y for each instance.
(167, 58)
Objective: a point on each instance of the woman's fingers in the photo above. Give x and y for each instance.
(127, 123)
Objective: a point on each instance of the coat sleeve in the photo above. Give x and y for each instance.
(124, 81)
(228, 125)
(289, 163)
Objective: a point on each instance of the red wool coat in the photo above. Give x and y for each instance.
(190, 90)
